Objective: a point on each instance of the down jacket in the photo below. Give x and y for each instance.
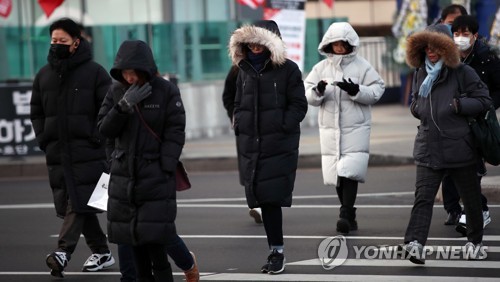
(66, 98)
(142, 196)
(344, 120)
(444, 138)
(268, 109)
(487, 65)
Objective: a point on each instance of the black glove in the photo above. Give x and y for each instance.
(320, 88)
(350, 87)
(134, 95)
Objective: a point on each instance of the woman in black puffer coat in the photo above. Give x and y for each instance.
(144, 115)
(270, 103)
(67, 94)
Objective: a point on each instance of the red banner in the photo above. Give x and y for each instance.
(254, 4)
(5, 8)
(329, 3)
(48, 6)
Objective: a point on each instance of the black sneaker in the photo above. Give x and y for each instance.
(462, 229)
(275, 262)
(265, 268)
(57, 261)
(97, 262)
(452, 218)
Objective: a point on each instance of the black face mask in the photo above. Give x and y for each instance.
(59, 51)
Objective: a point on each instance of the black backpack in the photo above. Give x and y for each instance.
(486, 131)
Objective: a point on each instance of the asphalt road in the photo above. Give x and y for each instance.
(213, 220)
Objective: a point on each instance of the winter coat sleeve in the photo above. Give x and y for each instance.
(173, 135)
(371, 87)
(37, 114)
(494, 82)
(297, 104)
(475, 94)
(229, 91)
(110, 120)
(310, 88)
(103, 83)
(237, 101)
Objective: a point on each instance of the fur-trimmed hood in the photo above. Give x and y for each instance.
(266, 33)
(442, 43)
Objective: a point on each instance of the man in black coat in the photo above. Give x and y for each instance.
(478, 55)
(67, 94)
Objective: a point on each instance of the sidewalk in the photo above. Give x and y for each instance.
(392, 136)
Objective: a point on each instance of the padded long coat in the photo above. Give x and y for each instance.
(269, 106)
(66, 98)
(344, 121)
(142, 196)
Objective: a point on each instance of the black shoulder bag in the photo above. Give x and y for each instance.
(486, 131)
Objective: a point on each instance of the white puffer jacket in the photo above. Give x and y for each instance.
(344, 120)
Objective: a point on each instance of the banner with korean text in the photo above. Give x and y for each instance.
(17, 137)
(291, 19)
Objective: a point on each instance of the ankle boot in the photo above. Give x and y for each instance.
(347, 221)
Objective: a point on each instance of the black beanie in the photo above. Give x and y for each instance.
(68, 25)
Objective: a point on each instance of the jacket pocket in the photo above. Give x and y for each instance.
(457, 146)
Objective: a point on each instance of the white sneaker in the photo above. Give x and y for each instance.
(462, 219)
(98, 261)
(256, 214)
(486, 218)
(474, 252)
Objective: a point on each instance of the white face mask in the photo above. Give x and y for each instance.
(462, 42)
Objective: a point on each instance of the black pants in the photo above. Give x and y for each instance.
(451, 198)
(347, 190)
(176, 249)
(272, 218)
(427, 185)
(74, 225)
(126, 260)
(151, 263)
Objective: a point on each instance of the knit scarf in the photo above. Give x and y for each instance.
(258, 60)
(432, 73)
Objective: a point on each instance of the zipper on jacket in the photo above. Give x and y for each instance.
(276, 92)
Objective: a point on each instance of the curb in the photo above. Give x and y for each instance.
(490, 186)
(37, 168)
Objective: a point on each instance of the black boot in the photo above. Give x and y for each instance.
(347, 221)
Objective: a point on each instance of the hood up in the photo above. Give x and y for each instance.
(441, 42)
(136, 55)
(265, 33)
(340, 31)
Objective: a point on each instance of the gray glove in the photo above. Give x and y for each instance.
(134, 95)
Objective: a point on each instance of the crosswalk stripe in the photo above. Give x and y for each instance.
(181, 205)
(403, 262)
(339, 277)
